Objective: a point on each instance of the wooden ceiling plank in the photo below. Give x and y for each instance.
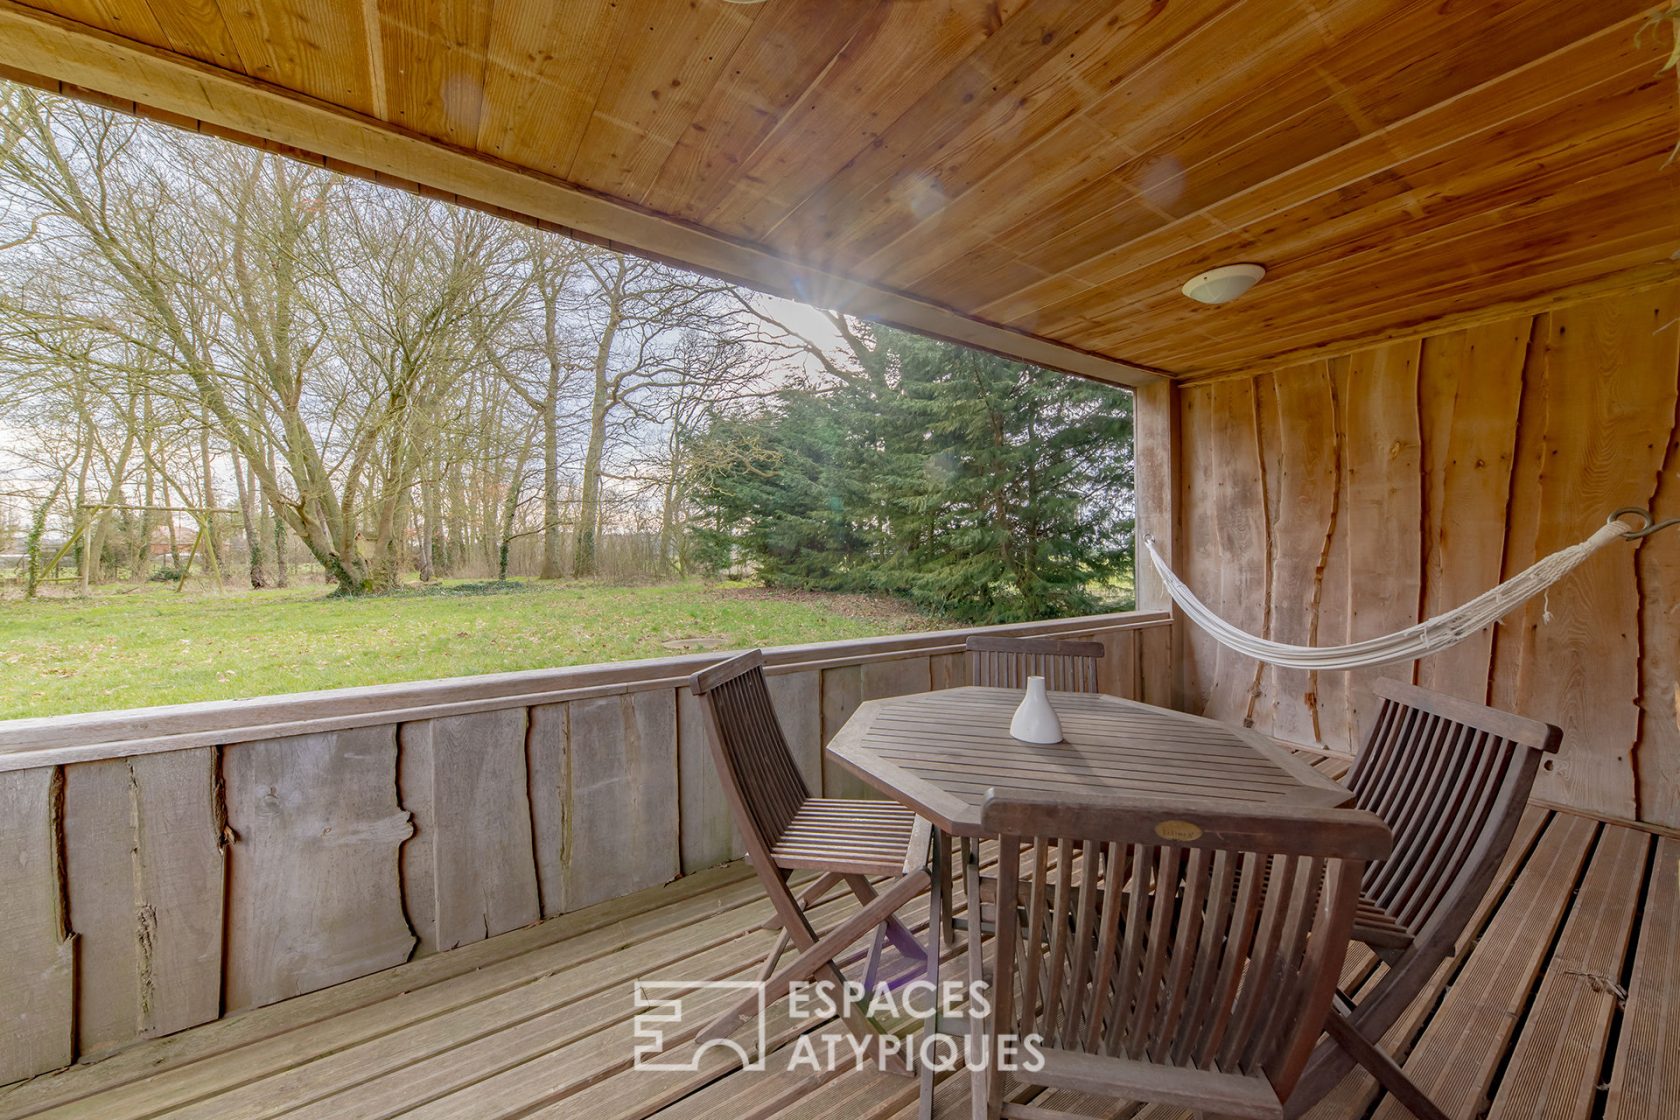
(435, 60)
(1134, 230)
(1141, 195)
(1415, 271)
(1269, 213)
(196, 28)
(33, 42)
(131, 18)
(1016, 78)
(659, 75)
(1334, 250)
(320, 47)
(872, 84)
(946, 161)
(788, 49)
(1126, 145)
(1563, 262)
(544, 70)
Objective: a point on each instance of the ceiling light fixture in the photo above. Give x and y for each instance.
(1223, 284)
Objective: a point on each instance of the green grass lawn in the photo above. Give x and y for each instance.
(135, 647)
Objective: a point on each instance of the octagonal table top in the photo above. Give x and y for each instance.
(940, 752)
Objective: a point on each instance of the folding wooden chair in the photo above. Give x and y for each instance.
(1165, 951)
(1451, 778)
(1066, 666)
(786, 829)
(1008, 662)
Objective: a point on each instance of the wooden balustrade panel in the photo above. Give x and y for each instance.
(604, 772)
(1405, 479)
(469, 871)
(36, 980)
(146, 880)
(199, 879)
(314, 884)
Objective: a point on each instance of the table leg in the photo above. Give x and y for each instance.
(940, 904)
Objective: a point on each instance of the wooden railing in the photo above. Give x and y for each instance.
(163, 867)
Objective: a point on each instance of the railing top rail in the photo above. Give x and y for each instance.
(81, 737)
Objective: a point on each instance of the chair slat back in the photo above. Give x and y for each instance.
(761, 781)
(1183, 935)
(1450, 778)
(1066, 666)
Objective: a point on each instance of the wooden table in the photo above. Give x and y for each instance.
(939, 752)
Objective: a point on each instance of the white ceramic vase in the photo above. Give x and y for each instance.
(1035, 720)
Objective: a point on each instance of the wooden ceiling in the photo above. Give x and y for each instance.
(1038, 176)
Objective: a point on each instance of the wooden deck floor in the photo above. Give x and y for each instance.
(1565, 1003)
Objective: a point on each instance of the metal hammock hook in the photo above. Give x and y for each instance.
(1652, 525)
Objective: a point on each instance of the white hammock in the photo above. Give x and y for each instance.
(1415, 641)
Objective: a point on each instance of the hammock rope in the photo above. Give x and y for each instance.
(1426, 637)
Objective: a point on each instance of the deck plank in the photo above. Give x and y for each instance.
(1467, 1035)
(1646, 1081)
(1358, 1090)
(1555, 1065)
(635, 916)
(538, 1022)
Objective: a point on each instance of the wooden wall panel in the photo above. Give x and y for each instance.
(314, 886)
(1383, 507)
(1408, 478)
(1158, 666)
(709, 835)
(547, 787)
(36, 950)
(617, 795)
(469, 871)
(1118, 673)
(270, 868)
(798, 701)
(145, 866)
(1300, 431)
(1657, 568)
(1609, 413)
(842, 692)
(1469, 393)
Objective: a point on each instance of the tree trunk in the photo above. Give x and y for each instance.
(253, 537)
(584, 560)
(32, 544)
(428, 528)
(212, 553)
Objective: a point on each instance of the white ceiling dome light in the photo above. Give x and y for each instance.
(1223, 284)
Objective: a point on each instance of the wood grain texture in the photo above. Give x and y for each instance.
(1646, 1080)
(300, 860)
(314, 887)
(618, 800)
(145, 868)
(1552, 1068)
(469, 871)
(1470, 387)
(1300, 431)
(1403, 480)
(943, 752)
(37, 1029)
(537, 1020)
(1383, 502)
(1610, 397)
(1039, 175)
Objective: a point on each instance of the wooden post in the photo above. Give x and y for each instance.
(1157, 455)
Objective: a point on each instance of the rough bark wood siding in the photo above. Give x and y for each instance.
(1403, 480)
(201, 879)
